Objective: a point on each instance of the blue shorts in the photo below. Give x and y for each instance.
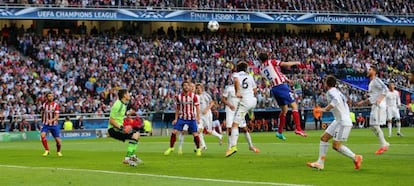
(54, 130)
(192, 125)
(282, 94)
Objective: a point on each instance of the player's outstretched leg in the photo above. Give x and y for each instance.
(296, 119)
(344, 150)
(384, 144)
(282, 122)
(249, 140)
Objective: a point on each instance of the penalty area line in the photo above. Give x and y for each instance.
(151, 175)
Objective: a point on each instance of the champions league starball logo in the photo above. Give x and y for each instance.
(287, 17)
(403, 20)
(4, 12)
(150, 14)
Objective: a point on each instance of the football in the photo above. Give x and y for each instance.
(213, 26)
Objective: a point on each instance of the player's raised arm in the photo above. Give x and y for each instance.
(290, 63)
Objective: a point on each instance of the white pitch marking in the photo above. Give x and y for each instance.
(152, 175)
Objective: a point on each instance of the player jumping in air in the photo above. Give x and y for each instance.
(230, 100)
(281, 91)
(117, 131)
(245, 88)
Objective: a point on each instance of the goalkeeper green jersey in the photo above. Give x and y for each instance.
(117, 113)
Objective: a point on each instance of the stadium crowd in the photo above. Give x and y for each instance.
(84, 72)
(349, 6)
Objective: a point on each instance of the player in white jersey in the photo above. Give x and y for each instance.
(245, 89)
(393, 109)
(377, 91)
(339, 129)
(230, 100)
(206, 117)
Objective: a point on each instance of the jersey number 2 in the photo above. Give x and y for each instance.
(267, 74)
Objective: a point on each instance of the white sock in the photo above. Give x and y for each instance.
(180, 141)
(234, 136)
(323, 149)
(389, 128)
(202, 142)
(346, 152)
(378, 132)
(398, 124)
(214, 133)
(248, 139)
(220, 130)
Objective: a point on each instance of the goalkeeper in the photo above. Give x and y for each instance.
(116, 129)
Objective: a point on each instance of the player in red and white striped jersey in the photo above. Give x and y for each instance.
(187, 112)
(281, 92)
(50, 116)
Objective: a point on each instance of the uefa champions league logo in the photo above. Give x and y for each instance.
(4, 12)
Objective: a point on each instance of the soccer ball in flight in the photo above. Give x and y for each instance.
(213, 26)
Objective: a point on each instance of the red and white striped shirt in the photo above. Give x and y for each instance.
(49, 112)
(270, 69)
(186, 105)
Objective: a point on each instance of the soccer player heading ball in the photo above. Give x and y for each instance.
(281, 91)
(245, 89)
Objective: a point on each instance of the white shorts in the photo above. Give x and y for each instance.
(216, 123)
(393, 112)
(338, 131)
(230, 118)
(242, 108)
(207, 121)
(378, 114)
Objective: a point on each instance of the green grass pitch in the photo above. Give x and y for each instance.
(98, 162)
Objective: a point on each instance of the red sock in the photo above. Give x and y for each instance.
(172, 140)
(296, 119)
(44, 142)
(197, 141)
(282, 121)
(58, 146)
